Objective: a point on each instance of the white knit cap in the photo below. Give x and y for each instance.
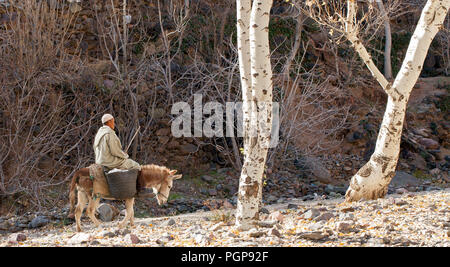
(106, 118)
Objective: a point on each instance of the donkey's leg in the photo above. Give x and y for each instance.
(92, 207)
(132, 212)
(82, 200)
(129, 215)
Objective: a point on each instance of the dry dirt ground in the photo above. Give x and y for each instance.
(411, 219)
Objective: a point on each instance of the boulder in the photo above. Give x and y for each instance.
(319, 171)
(403, 179)
(37, 222)
(429, 143)
(105, 212)
(311, 214)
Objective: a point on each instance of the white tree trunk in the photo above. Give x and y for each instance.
(372, 180)
(388, 41)
(257, 112)
(244, 8)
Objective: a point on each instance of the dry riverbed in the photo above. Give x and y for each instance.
(411, 219)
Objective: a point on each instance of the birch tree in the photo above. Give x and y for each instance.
(388, 40)
(372, 180)
(256, 82)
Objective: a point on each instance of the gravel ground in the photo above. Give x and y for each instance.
(411, 219)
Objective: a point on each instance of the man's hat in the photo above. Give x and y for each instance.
(106, 118)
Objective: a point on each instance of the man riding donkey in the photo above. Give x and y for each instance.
(109, 155)
(108, 149)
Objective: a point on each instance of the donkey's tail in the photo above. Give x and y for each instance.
(72, 194)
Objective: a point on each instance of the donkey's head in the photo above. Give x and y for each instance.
(160, 179)
(163, 189)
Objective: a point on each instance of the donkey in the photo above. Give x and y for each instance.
(160, 179)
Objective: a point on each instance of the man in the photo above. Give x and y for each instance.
(108, 149)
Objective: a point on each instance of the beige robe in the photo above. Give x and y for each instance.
(108, 151)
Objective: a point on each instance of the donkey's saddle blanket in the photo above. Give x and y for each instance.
(101, 188)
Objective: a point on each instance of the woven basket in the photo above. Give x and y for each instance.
(122, 183)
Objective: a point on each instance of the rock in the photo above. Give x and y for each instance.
(123, 232)
(212, 192)
(403, 179)
(108, 234)
(346, 217)
(345, 226)
(272, 198)
(79, 238)
(400, 202)
(201, 239)
(276, 216)
(182, 208)
(5, 225)
(348, 209)
(173, 144)
(325, 216)
(163, 139)
(264, 210)
(95, 243)
(37, 222)
(188, 149)
(256, 233)
(266, 224)
(274, 232)
(168, 222)
(312, 235)
(207, 178)
(105, 212)
(292, 206)
(232, 235)
(317, 226)
(429, 143)
(131, 238)
(217, 226)
(311, 214)
(354, 136)
(227, 205)
(248, 244)
(319, 171)
(435, 172)
(418, 161)
(401, 191)
(18, 237)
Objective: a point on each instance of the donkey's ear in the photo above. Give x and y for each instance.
(176, 177)
(172, 172)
